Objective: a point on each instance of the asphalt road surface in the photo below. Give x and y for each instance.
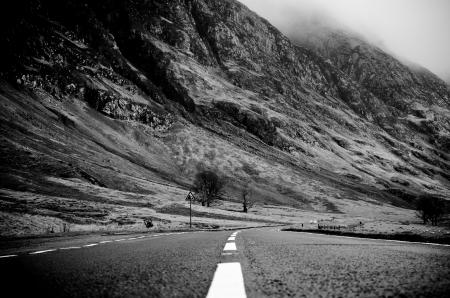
(253, 263)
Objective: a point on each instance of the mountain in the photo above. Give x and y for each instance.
(108, 106)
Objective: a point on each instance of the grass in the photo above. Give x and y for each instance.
(178, 209)
(406, 230)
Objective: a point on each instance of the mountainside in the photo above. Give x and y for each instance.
(110, 105)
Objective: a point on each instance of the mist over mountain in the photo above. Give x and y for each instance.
(412, 30)
(108, 107)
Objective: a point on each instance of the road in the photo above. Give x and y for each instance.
(256, 263)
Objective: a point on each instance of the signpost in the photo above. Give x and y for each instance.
(190, 212)
(190, 197)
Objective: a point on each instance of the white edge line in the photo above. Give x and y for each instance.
(376, 239)
(105, 241)
(90, 245)
(70, 247)
(7, 256)
(41, 251)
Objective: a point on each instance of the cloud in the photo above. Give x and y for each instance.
(415, 30)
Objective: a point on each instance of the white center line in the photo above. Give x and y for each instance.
(132, 238)
(90, 245)
(70, 247)
(117, 240)
(140, 237)
(227, 282)
(41, 251)
(7, 256)
(230, 246)
(106, 241)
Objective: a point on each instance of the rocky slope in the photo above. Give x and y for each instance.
(410, 91)
(134, 95)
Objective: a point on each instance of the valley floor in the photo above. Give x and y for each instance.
(28, 214)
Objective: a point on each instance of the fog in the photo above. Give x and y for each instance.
(414, 30)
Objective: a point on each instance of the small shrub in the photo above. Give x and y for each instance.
(65, 227)
(148, 222)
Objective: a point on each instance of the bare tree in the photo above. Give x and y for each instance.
(246, 196)
(208, 185)
(422, 210)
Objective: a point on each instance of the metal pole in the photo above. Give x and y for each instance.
(190, 211)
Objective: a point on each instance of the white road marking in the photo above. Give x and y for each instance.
(90, 245)
(41, 251)
(227, 282)
(389, 240)
(227, 253)
(437, 244)
(7, 256)
(415, 242)
(230, 246)
(231, 238)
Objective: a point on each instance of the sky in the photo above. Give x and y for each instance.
(414, 30)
